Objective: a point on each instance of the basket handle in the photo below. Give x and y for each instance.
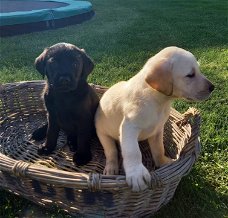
(190, 113)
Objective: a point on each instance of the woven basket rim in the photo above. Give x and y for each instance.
(95, 180)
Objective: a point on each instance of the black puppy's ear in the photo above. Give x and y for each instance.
(40, 62)
(88, 64)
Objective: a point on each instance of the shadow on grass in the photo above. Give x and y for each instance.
(133, 26)
(195, 198)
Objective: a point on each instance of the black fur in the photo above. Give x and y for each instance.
(70, 102)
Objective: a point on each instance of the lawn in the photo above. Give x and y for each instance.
(120, 38)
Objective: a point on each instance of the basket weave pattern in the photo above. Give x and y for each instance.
(55, 180)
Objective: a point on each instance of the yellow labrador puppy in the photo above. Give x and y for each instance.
(137, 109)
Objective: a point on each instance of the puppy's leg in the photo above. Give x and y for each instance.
(72, 142)
(137, 176)
(52, 136)
(111, 154)
(157, 149)
(83, 154)
(40, 133)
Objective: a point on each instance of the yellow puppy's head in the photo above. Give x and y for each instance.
(175, 72)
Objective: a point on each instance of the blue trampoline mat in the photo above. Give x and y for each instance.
(21, 11)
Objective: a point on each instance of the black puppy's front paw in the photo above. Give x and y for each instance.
(72, 147)
(44, 150)
(40, 133)
(82, 158)
(72, 143)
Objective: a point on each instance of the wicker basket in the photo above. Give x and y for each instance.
(55, 180)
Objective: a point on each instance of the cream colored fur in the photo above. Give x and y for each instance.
(137, 109)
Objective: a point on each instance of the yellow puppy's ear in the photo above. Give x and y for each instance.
(159, 76)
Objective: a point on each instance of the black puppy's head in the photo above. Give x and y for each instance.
(64, 65)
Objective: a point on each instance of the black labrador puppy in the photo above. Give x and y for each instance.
(70, 102)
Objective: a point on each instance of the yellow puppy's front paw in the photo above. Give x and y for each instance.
(163, 161)
(111, 168)
(138, 178)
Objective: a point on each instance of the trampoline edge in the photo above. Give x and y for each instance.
(25, 28)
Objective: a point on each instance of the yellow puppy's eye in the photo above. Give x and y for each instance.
(191, 75)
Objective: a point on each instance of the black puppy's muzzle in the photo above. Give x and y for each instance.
(64, 81)
(65, 84)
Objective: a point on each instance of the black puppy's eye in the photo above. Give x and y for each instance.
(53, 63)
(51, 60)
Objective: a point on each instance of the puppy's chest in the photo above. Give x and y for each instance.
(152, 122)
(67, 109)
(68, 113)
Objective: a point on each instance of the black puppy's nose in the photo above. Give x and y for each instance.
(211, 87)
(64, 80)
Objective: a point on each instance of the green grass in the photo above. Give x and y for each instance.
(120, 38)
